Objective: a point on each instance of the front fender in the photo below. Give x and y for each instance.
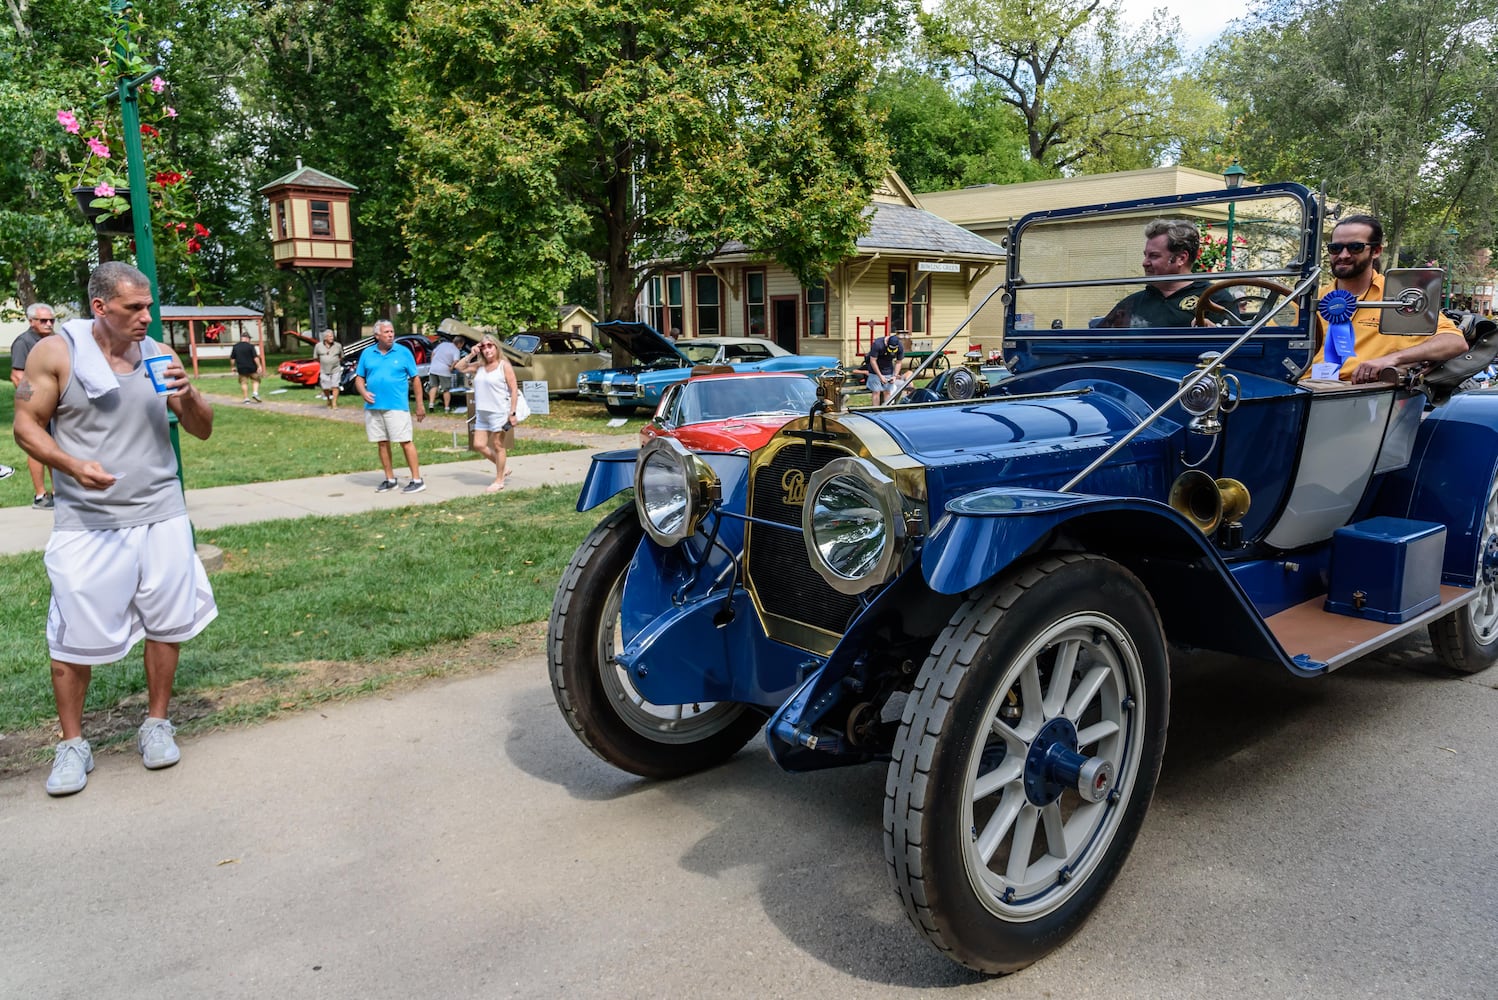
(985, 531)
(611, 473)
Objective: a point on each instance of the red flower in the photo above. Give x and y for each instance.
(150, 132)
(193, 246)
(181, 227)
(200, 229)
(167, 178)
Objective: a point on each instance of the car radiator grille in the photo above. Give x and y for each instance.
(783, 580)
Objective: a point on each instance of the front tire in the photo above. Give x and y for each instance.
(596, 695)
(996, 861)
(1467, 639)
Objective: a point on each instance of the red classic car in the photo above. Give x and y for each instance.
(303, 371)
(730, 411)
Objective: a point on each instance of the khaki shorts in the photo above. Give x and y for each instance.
(388, 425)
(112, 588)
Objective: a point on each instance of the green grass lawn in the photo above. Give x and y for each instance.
(251, 445)
(357, 588)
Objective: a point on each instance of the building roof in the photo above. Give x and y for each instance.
(1001, 204)
(903, 229)
(308, 177)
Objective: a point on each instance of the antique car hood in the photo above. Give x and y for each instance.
(642, 342)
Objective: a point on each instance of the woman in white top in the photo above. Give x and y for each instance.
(494, 397)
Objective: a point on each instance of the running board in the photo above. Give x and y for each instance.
(1319, 640)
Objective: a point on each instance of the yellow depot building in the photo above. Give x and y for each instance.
(913, 271)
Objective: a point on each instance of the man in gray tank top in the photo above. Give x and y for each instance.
(121, 559)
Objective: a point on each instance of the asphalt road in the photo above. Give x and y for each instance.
(1328, 838)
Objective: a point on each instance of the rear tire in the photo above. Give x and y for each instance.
(1467, 639)
(596, 695)
(996, 859)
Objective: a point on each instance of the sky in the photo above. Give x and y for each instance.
(1201, 21)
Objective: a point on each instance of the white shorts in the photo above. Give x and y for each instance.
(111, 588)
(388, 425)
(330, 380)
(491, 421)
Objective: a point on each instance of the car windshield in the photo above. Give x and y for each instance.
(720, 399)
(698, 353)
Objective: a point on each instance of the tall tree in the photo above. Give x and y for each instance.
(1393, 102)
(635, 134)
(45, 46)
(1092, 93)
(940, 138)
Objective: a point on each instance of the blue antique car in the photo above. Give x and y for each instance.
(980, 593)
(660, 362)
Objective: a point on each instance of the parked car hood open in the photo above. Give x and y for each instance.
(642, 342)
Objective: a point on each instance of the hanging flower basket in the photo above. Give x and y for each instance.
(119, 225)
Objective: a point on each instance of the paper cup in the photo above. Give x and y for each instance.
(156, 372)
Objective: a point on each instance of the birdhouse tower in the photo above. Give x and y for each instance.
(309, 219)
(311, 231)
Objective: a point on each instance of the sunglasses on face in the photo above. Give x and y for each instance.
(1354, 248)
(49, 319)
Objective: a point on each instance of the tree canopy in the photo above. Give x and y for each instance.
(638, 135)
(1393, 103)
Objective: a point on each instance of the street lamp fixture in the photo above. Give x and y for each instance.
(1232, 179)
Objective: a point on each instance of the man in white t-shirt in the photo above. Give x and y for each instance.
(444, 355)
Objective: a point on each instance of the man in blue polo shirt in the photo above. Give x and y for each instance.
(386, 377)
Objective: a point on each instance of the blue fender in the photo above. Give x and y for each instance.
(611, 473)
(1448, 479)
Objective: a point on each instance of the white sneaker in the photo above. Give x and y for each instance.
(5, 473)
(156, 746)
(70, 767)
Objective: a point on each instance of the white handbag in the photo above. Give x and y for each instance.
(522, 408)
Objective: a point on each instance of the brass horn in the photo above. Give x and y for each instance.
(1206, 502)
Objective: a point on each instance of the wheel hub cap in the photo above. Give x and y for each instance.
(1053, 765)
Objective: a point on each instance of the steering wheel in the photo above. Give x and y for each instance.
(1204, 301)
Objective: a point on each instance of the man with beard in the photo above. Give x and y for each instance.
(1356, 243)
(1171, 246)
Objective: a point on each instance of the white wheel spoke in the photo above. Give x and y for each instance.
(1061, 674)
(1055, 831)
(1009, 770)
(999, 824)
(1087, 690)
(1032, 697)
(1022, 844)
(1016, 744)
(1096, 732)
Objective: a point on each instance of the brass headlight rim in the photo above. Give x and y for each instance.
(891, 507)
(700, 480)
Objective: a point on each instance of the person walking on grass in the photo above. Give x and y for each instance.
(440, 374)
(121, 559)
(385, 379)
(248, 366)
(328, 354)
(495, 396)
(41, 322)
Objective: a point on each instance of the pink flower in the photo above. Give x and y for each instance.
(98, 149)
(157, 84)
(68, 121)
(171, 112)
(104, 191)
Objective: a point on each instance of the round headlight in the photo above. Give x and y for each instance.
(673, 490)
(854, 521)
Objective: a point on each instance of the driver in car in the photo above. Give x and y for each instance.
(1356, 243)
(1171, 246)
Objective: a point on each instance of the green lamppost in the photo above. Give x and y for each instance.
(135, 167)
(1452, 235)
(1232, 179)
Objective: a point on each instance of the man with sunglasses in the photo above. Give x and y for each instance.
(1355, 245)
(42, 322)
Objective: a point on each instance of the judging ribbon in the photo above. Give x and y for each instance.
(1337, 307)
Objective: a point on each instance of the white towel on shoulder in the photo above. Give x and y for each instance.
(89, 364)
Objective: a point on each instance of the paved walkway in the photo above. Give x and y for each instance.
(25, 530)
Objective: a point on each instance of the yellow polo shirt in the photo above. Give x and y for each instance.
(1368, 341)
